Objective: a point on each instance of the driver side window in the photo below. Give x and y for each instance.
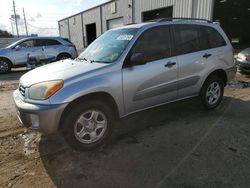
(154, 43)
(27, 44)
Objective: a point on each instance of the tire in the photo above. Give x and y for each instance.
(63, 56)
(212, 92)
(5, 66)
(80, 126)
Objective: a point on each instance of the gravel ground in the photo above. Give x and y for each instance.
(176, 145)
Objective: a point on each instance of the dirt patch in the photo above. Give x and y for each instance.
(239, 84)
(148, 145)
(8, 85)
(8, 119)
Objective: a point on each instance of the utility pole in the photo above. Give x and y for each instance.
(14, 8)
(25, 23)
(12, 29)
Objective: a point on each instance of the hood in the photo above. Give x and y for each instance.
(4, 50)
(64, 70)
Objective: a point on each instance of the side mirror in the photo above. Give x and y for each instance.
(137, 59)
(18, 47)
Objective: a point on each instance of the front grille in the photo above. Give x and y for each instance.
(22, 90)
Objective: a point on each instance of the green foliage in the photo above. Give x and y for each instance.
(5, 34)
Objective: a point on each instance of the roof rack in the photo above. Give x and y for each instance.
(180, 19)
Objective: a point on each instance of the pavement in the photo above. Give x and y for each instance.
(175, 145)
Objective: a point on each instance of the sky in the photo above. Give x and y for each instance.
(42, 15)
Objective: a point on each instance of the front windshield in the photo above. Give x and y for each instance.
(13, 44)
(109, 46)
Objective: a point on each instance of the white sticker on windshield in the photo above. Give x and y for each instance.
(125, 37)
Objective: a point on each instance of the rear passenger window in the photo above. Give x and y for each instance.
(46, 42)
(210, 38)
(186, 39)
(40, 42)
(155, 44)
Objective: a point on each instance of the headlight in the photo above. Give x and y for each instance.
(44, 90)
(242, 56)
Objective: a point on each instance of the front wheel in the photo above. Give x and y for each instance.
(5, 66)
(212, 92)
(88, 125)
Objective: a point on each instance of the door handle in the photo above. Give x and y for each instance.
(170, 64)
(207, 55)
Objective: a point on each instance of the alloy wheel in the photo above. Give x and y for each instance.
(90, 126)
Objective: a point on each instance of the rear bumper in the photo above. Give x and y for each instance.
(231, 73)
(43, 118)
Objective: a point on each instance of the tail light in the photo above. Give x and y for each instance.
(234, 53)
(72, 45)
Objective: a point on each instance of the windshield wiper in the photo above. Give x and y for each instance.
(96, 61)
(92, 61)
(84, 59)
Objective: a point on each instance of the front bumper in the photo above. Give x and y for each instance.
(43, 118)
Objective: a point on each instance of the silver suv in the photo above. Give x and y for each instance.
(126, 70)
(40, 48)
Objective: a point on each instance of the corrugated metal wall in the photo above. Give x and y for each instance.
(203, 9)
(123, 11)
(100, 15)
(63, 28)
(75, 28)
(92, 16)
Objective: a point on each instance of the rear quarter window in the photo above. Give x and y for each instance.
(67, 40)
(51, 42)
(46, 42)
(210, 38)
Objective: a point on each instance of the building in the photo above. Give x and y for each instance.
(84, 27)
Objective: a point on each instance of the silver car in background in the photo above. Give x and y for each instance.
(124, 71)
(40, 48)
(243, 61)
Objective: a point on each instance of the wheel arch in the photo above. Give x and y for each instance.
(104, 96)
(63, 53)
(8, 62)
(219, 73)
(2, 57)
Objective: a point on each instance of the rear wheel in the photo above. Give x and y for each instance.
(63, 56)
(88, 125)
(212, 92)
(5, 65)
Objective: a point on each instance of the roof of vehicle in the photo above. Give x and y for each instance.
(65, 40)
(49, 37)
(166, 21)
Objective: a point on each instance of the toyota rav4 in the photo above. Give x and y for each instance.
(126, 70)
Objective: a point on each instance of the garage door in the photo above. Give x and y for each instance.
(236, 22)
(118, 22)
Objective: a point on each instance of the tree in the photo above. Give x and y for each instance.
(5, 34)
